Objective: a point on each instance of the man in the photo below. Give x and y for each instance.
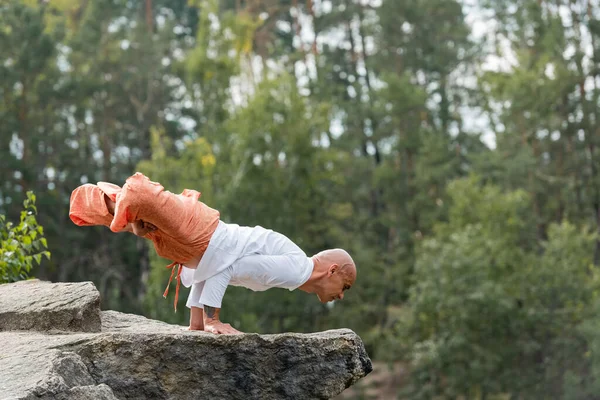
(210, 254)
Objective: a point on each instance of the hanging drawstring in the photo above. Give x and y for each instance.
(179, 269)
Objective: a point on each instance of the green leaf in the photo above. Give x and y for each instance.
(19, 244)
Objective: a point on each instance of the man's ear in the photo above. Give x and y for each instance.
(333, 269)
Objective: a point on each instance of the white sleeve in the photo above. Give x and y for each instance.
(260, 272)
(194, 297)
(214, 288)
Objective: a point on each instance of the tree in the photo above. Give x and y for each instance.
(544, 107)
(488, 314)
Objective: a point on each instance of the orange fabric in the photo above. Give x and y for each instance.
(88, 206)
(110, 189)
(166, 293)
(184, 224)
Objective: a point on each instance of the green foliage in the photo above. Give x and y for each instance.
(340, 124)
(21, 245)
(487, 313)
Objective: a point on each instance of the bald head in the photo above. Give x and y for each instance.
(339, 257)
(335, 272)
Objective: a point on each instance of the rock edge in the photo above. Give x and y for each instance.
(129, 356)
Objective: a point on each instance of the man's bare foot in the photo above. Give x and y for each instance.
(219, 327)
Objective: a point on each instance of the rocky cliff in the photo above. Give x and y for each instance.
(55, 343)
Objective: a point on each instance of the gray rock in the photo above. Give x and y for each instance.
(133, 357)
(43, 306)
(99, 392)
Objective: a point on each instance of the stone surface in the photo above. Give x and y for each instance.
(44, 306)
(132, 357)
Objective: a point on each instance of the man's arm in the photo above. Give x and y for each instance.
(196, 312)
(196, 319)
(211, 298)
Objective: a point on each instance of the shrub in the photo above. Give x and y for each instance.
(21, 245)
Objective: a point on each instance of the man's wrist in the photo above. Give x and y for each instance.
(196, 318)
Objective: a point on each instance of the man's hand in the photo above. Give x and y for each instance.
(212, 323)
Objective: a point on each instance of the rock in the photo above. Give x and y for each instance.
(100, 392)
(43, 306)
(132, 357)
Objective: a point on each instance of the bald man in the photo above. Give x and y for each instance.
(213, 254)
(265, 259)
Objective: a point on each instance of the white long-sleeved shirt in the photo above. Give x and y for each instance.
(255, 258)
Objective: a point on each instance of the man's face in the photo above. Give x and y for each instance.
(336, 283)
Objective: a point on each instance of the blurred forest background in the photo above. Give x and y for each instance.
(451, 146)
